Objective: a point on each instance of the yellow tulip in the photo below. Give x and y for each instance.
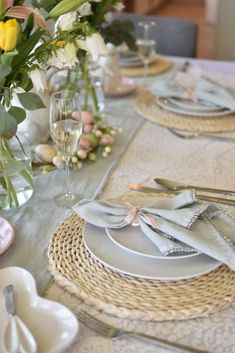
(8, 34)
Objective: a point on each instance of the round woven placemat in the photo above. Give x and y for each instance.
(129, 297)
(146, 106)
(159, 66)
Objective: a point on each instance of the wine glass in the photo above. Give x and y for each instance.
(146, 46)
(66, 129)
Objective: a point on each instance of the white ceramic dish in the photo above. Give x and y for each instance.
(113, 256)
(7, 235)
(124, 87)
(53, 325)
(195, 106)
(132, 239)
(167, 105)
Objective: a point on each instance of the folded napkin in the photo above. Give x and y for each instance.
(203, 227)
(205, 89)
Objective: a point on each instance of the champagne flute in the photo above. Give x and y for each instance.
(66, 129)
(146, 47)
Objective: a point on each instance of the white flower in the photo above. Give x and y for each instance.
(66, 21)
(119, 6)
(96, 46)
(81, 43)
(85, 9)
(108, 17)
(97, 0)
(66, 56)
(38, 78)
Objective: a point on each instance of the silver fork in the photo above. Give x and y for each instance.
(111, 332)
(189, 136)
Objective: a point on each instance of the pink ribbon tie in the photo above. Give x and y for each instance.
(134, 211)
(190, 93)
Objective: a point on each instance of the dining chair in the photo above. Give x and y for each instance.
(177, 37)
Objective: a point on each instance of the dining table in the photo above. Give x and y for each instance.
(143, 150)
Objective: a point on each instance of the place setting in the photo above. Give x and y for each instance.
(163, 243)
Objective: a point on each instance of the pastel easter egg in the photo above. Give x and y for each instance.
(45, 152)
(106, 140)
(87, 117)
(87, 128)
(76, 115)
(84, 143)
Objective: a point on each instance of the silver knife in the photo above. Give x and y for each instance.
(173, 185)
(147, 189)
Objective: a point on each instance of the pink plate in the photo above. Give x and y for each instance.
(6, 235)
(125, 86)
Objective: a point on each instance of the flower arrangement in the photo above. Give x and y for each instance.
(28, 51)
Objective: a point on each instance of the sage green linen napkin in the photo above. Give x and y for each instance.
(203, 227)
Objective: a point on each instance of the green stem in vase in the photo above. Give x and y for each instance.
(89, 88)
(7, 184)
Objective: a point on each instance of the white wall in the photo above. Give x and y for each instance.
(225, 31)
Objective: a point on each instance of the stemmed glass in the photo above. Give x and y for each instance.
(146, 46)
(66, 129)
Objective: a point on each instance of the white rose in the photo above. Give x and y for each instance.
(119, 6)
(38, 78)
(85, 9)
(66, 21)
(66, 56)
(81, 43)
(96, 46)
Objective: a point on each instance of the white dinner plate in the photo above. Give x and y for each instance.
(135, 61)
(53, 326)
(199, 106)
(167, 105)
(107, 252)
(132, 239)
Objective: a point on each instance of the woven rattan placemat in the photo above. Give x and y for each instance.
(146, 106)
(159, 66)
(129, 297)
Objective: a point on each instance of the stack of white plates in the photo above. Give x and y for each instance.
(131, 59)
(187, 107)
(128, 250)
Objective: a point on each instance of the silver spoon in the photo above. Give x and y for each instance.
(17, 337)
(173, 185)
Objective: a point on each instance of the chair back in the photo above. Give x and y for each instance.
(177, 37)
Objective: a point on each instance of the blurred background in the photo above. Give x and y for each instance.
(215, 20)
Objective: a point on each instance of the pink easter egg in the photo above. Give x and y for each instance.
(87, 128)
(106, 140)
(76, 115)
(87, 117)
(84, 143)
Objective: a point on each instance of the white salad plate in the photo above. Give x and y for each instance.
(132, 239)
(118, 259)
(53, 326)
(200, 106)
(169, 106)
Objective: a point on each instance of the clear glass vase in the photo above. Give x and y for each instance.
(16, 186)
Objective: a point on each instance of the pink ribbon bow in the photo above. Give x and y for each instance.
(134, 211)
(190, 93)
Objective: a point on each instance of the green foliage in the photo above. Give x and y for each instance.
(5, 70)
(65, 6)
(8, 124)
(18, 113)
(119, 32)
(30, 101)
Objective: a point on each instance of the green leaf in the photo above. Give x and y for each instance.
(8, 56)
(18, 113)
(8, 124)
(65, 6)
(29, 25)
(4, 70)
(30, 101)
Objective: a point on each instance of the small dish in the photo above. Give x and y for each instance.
(53, 326)
(132, 239)
(7, 235)
(124, 87)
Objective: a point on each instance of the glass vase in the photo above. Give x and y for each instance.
(16, 186)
